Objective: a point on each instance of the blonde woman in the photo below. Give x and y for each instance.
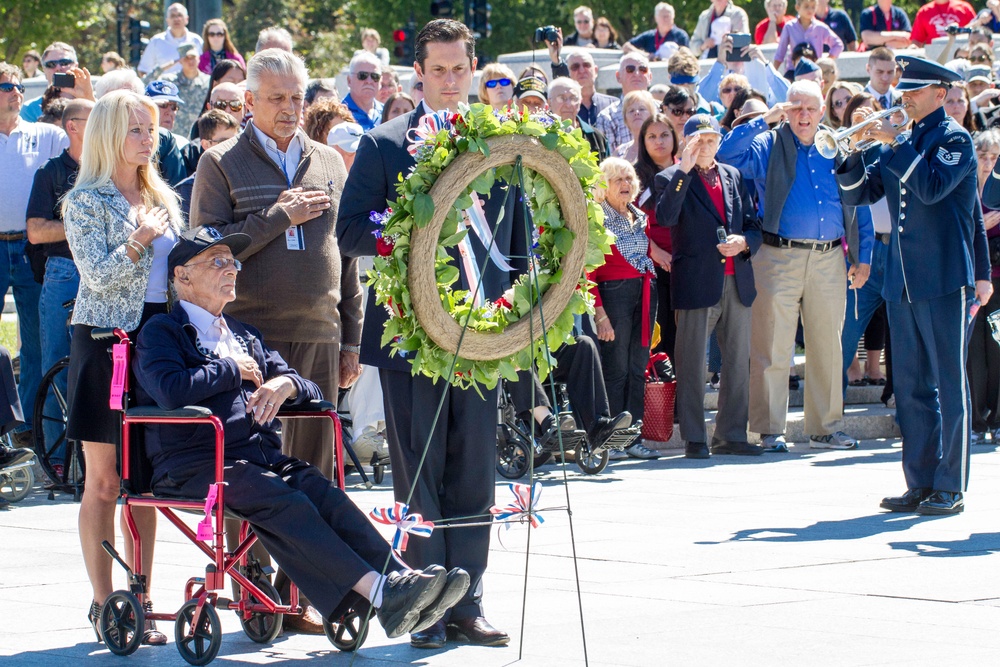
(637, 106)
(121, 221)
(496, 85)
(625, 296)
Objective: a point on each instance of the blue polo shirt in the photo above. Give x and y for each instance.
(647, 40)
(366, 119)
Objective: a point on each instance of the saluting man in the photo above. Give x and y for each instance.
(937, 266)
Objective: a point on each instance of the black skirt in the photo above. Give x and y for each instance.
(89, 383)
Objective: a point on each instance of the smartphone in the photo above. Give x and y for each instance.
(740, 40)
(63, 80)
(720, 232)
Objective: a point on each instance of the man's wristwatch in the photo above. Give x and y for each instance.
(353, 349)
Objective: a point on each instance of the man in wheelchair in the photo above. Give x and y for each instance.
(197, 356)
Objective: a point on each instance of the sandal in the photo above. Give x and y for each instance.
(94, 616)
(879, 382)
(152, 636)
(863, 382)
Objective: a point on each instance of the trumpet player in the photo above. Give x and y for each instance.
(937, 273)
(799, 270)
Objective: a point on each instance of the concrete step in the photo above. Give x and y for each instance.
(855, 396)
(864, 422)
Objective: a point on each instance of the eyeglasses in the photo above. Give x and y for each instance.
(75, 120)
(841, 103)
(220, 263)
(11, 87)
(732, 89)
(630, 69)
(585, 65)
(493, 83)
(582, 21)
(637, 111)
(216, 34)
(234, 105)
(567, 98)
(681, 112)
(62, 62)
(364, 76)
(167, 105)
(214, 141)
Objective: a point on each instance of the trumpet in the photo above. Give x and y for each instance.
(830, 144)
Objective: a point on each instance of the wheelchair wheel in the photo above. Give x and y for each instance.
(16, 484)
(49, 431)
(122, 623)
(589, 461)
(349, 633)
(206, 640)
(512, 458)
(262, 627)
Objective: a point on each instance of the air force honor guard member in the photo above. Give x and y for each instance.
(937, 253)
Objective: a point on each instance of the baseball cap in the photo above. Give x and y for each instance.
(530, 87)
(345, 136)
(195, 241)
(163, 90)
(701, 123)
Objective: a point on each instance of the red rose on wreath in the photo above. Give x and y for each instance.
(384, 247)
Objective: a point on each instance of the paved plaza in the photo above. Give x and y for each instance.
(775, 560)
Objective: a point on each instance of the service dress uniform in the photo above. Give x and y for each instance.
(936, 253)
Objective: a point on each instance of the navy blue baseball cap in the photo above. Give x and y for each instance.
(919, 73)
(195, 241)
(805, 66)
(163, 90)
(701, 123)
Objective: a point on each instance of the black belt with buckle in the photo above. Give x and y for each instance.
(12, 236)
(778, 242)
(884, 238)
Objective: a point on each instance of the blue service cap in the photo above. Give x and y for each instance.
(701, 123)
(919, 73)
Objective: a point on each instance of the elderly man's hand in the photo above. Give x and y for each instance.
(249, 370)
(303, 205)
(84, 89)
(350, 369)
(858, 274)
(266, 401)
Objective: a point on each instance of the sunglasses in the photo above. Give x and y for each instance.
(220, 263)
(168, 105)
(62, 62)
(630, 69)
(11, 87)
(419, 85)
(216, 34)
(364, 76)
(585, 65)
(493, 83)
(733, 89)
(681, 112)
(234, 105)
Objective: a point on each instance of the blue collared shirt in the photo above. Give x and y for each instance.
(366, 119)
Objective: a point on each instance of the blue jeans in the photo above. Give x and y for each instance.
(62, 281)
(868, 298)
(15, 272)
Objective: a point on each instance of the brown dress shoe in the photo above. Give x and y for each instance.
(309, 623)
(478, 631)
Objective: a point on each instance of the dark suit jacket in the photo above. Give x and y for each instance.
(380, 159)
(697, 271)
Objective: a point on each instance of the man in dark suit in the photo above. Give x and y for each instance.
(715, 231)
(457, 478)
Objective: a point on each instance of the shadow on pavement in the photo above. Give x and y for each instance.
(846, 529)
(976, 544)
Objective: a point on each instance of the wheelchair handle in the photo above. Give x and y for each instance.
(109, 332)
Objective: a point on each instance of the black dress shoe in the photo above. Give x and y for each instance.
(456, 583)
(605, 427)
(432, 637)
(477, 631)
(907, 502)
(736, 448)
(942, 502)
(404, 596)
(696, 450)
(11, 456)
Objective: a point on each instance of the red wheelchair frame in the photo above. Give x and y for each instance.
(197, 628)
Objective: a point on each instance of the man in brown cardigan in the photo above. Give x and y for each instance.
(282, 189)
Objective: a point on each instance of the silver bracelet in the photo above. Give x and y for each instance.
(353, 349)
(139, 249)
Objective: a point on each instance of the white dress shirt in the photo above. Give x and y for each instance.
(213, 334)
(287, 161)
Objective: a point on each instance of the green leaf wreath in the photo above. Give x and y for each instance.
(449, 136)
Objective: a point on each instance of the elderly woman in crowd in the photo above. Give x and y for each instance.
(496, 85)
(218, 46)
(636, 108)
(121, 221)
(657, 151)
(565, 98)
(625, 296)
(984, 356)
(322, 116)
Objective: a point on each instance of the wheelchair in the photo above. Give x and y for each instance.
(516, 441)
(15, 480)
(197, 626)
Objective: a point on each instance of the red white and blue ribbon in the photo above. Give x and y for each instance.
(524, 505)
(406, 524)
(428, 127)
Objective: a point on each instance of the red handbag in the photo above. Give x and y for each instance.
(658, 400)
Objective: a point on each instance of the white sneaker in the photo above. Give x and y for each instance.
(617, 455)
(838, 440)
(774, 443)
(641, 451)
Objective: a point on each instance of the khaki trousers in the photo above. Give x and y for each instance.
(792, 282)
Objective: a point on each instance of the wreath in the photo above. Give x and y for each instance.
(456, 334)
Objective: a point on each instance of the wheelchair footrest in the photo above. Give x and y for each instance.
(570, 440)
(623, 438)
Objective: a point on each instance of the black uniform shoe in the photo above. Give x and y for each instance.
(456, 583)
(942, 502)
(736, 448)
(432, 637)
(696, 450)
(404, 596)
(552, 425)
(10, 456)
(605, 427)
(477, 631)
(907, 502)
